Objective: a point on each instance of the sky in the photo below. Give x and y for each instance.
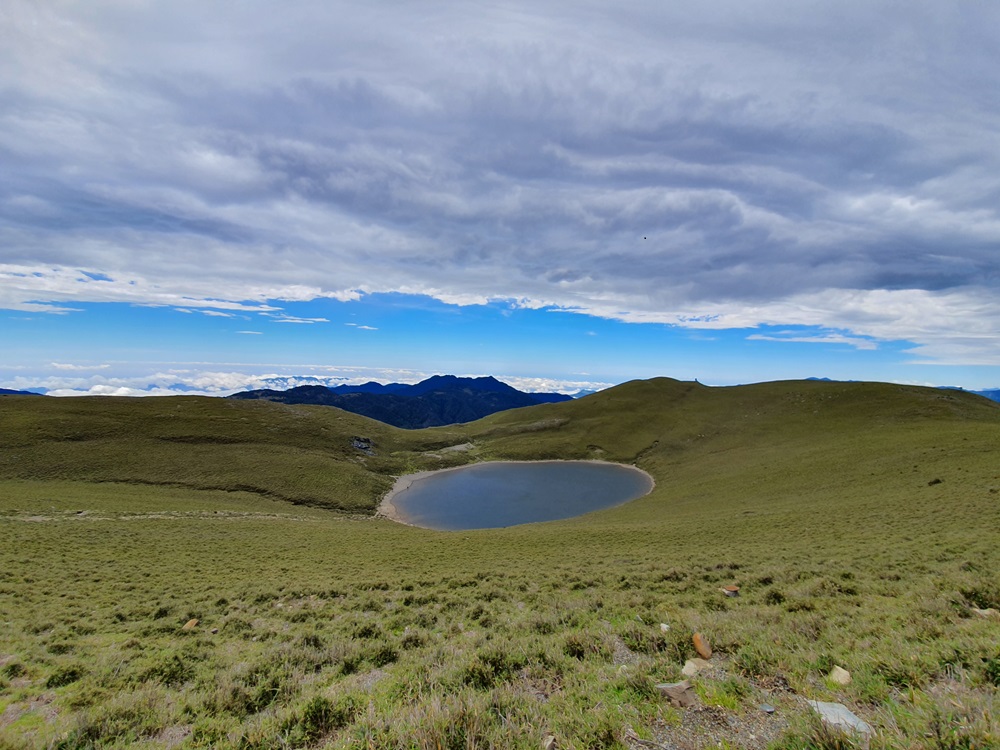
(207, 197)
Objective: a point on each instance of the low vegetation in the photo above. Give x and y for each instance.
(859, 521)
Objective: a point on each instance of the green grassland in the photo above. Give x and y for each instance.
(861, 521)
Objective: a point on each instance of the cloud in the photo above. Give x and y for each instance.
(198, 379)
(68, 366)
(824, 338)
(108, 390)
(361, 327)
(727, 165)
(554, 385)
(282, 318)
(251, 333)
(41, 288)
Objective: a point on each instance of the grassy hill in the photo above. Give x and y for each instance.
(295, 453)
(861, 521)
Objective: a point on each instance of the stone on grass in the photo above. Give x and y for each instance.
(839, 676)
(730, 590)
(190, 624)
(767, 708)
(693, 667)
(681, 694)
(839, 716)
(549, 743)
(701, 646)
(664, 627)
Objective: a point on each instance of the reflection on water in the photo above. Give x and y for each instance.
(492, 495)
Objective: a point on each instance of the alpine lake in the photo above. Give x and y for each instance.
(508, 493)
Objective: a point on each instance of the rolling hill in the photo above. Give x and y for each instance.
(858, 519)
(306, 454)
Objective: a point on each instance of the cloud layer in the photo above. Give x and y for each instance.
(725, 165)
(193, 379)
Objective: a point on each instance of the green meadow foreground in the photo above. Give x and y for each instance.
(860, 521)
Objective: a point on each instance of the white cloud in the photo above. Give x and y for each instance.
(553, 385)
(195, 379)
(293, 319)
(108, 390)
(825, 338)
(22, 285)
(715, 166)
(79, 367)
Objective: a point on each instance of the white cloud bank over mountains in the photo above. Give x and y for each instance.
(89, 380)
(710, 166)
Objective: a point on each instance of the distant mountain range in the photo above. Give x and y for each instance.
(437, 401)
(314, 390)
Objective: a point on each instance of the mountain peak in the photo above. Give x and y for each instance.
(436, 401)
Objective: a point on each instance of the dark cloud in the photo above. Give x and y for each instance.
(738, 162)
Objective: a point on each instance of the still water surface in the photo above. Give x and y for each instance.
(507, 493)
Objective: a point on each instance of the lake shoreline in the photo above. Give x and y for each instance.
(388, 509)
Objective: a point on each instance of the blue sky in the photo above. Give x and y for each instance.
(123, 349)
(566, 195)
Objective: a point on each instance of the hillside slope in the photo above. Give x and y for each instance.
(300, 454)
(686, 435)
(142, 606)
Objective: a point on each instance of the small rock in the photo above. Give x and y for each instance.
(680, 694)
(730, 590)
(664, 627)
(767, 708)
(839, 676)
(549, 743)
(693, 667)
(839, 716)
(214, 631)
(190, 624)
(363, 444)
(701, 646)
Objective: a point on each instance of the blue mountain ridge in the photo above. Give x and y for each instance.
(436, 401)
